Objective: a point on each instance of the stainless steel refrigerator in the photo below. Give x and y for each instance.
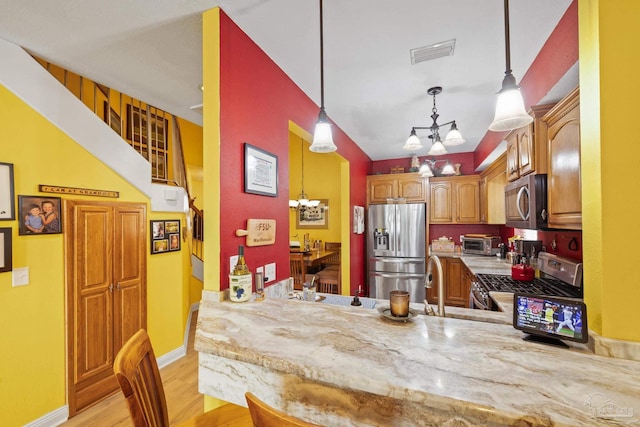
(396, 243)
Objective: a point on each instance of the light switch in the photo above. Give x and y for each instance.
(270, 272)
(20, 276)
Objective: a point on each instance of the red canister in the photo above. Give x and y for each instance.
(522, 272)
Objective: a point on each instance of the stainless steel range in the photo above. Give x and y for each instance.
(559, 277)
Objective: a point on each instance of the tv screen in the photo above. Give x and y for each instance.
(551, 317)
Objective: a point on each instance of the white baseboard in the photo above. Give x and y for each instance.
(52, 419)
(61, 415)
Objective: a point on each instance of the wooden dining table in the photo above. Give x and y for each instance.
(314, 258)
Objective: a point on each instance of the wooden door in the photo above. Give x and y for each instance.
(412, 188)
(381, 188)
(564, 173)
(468, 201)
(525, 150)
(513, 168)
(455, 294)
(105, 249)
(440, 202)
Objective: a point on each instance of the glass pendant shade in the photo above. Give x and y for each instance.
(510, 112)
(413, 142)
(437, 149)
(454, 137)
(448, 169)
(322, 138)
(425, 170)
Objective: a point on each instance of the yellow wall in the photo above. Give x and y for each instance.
(609, 90)
(33, 317)
(322, 176)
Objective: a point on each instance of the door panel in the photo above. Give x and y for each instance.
(93, 318)
(129, 272)
(105, 248)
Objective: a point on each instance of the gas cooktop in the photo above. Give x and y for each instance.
(539, 286)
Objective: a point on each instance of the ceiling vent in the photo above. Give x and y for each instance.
(433, 51)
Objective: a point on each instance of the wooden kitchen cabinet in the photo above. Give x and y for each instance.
(492, 183)
(454, 200)
(527, 146)
(457, 285)
(564, 188)
(408, 186)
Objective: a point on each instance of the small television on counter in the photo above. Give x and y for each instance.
(550, 319)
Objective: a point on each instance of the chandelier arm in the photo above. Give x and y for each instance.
(430, 127)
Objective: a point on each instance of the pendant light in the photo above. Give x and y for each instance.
(303, 199)
(438, 147)
(510, 112)
(322, 138)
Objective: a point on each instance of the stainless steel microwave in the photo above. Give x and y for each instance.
(526, 202)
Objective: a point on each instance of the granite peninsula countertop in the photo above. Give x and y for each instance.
(337, 365)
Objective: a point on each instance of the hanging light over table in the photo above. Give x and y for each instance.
(322, 138)
(510, 112)
(303, 199)
(438, 147)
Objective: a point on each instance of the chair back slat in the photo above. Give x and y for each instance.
(137, 373)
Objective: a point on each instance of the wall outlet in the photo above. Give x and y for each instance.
(232, 263)
(20, 276)
(270, 272)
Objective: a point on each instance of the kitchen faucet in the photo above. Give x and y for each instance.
(434, 260)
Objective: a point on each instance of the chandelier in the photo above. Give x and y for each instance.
(429, 169)
(437, 147)
(303, 199)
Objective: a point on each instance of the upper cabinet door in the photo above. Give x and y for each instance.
(564, 194)
(408, 186)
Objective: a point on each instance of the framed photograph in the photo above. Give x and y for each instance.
(313, 217)
(5, 250)
(39, 215)
(260, 171)
(7, 208)
(165, 236)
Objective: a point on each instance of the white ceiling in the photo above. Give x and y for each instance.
(151, 49)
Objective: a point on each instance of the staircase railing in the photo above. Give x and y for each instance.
(152, 132)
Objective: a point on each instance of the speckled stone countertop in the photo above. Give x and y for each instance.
(337, 365)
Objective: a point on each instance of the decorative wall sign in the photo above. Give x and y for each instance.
(7, 207)
(313, 217)
(39, 215)
(165, 236)
(259, 232)
(260, 171)
(77, 191)
(5, 250)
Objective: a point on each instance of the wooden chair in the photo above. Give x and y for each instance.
(264, 415)
(332, 262)
(328, 281)
(296, 265)
(137, 373)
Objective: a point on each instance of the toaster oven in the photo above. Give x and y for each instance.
(489, 245)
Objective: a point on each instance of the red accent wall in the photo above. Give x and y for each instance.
(557, 56)
(257, 100)
(465, 159)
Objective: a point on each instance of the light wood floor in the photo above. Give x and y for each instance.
(180, 380)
